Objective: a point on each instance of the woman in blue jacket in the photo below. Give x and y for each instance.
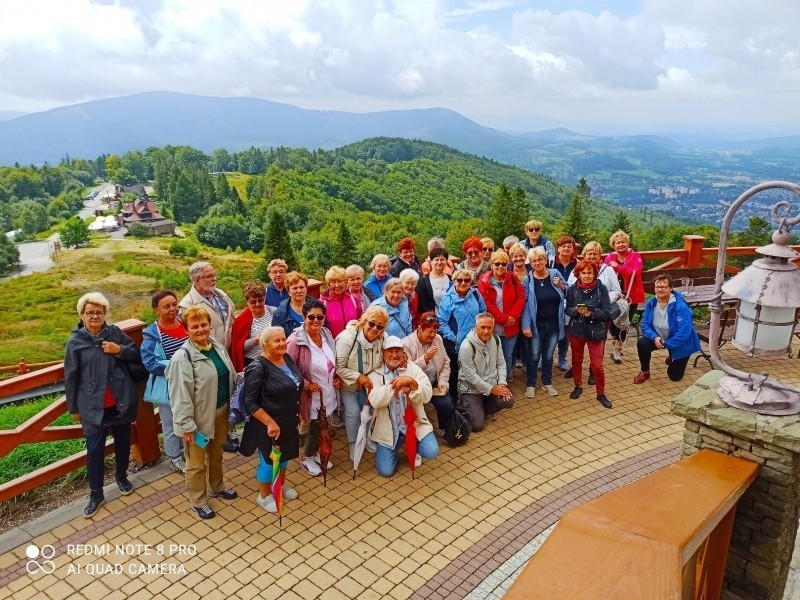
(456, 313)
(666, 324)
(396, 304)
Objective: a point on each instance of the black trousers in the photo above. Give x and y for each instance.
(95, 452)
(675, 369)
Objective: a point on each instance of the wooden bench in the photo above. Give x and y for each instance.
(663, 536)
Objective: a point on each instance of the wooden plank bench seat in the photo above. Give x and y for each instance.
(663, 536)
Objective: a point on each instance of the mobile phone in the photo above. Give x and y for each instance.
(200, 440)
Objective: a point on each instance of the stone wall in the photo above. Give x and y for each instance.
(767, 515)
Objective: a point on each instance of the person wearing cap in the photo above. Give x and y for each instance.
(396, 386)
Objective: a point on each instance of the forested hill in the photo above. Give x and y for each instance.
(346, 205)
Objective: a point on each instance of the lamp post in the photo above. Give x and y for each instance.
(769, 296)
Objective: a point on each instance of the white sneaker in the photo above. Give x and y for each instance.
(530, 392)
(616, 355)
(550, 390)
(268, 503)
(371, 446)
(417, 460)
(289, 493)
(310, 466)
(316, 460)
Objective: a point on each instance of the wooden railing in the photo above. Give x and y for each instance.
(665, 535)
(144, 434)
(23, 367)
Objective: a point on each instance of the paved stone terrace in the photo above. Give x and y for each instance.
(438, 536)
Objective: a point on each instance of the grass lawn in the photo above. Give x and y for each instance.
(37, 312)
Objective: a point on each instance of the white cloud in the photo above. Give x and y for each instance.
(507, 62)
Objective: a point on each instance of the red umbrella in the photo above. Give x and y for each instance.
(324, 440)
(410, 418)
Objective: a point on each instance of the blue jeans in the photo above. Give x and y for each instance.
(563, 347)
(543, 345)
(264, 468)
(386, 458)
(173, 444)
(508, 343)
(352, 414)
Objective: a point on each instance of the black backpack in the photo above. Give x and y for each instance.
(457, 429)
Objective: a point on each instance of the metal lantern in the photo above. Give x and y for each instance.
(769, 295)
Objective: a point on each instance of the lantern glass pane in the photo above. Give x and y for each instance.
(768, 337)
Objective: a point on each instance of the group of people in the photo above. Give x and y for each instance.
(437, 331)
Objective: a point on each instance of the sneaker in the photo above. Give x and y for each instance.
(590, 381)
(604, 401)
(530, 392)
(563, 364)
(518, 364)
(510, 377)
(178, 465)
(576, 393)
(204, 512)
(289, 493)
(316, 460)
(335, 421)
(268, 503)
(310, 466)
(226, 494)
(417, 460)
(95, 500)
(371, 446)
(642, 377)
(125, 486)
(550, 389)
(568, 374)
(616, 355)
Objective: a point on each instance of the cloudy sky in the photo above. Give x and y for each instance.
(635, 66)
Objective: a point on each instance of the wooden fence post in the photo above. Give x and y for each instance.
(693, 246)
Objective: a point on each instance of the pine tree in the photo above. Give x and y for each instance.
(621, 222)
(508, 213)
(576, 220)
(345, 247)
(277, 243)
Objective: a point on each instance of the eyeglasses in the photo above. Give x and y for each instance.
(488, 249)
(255, 300)
(462, 280)
(500, 264)
(94, 313)
(213, 276)
(473, 252)
(374, 325)
(315, 317)
(534, 228)
(662, 287)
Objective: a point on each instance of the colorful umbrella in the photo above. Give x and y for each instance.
(410, 417)
(277, 481)
(361, 438)
(324, 440)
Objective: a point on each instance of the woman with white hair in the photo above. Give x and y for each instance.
(410, 278)
(380, 266)
(101, 392)
(395, 303)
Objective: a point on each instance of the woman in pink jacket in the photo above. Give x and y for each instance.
(628, 265)
(341, 305)
(505, 298)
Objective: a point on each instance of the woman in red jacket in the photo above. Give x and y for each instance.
(628, 265)
(505, 298)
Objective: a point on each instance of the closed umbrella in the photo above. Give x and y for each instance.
(277, 481)
(410, 417)
(324, 440)
(361, 438)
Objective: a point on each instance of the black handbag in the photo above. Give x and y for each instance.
(135, 371)
(457, 429)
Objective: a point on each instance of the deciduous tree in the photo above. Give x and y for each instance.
(74, 231)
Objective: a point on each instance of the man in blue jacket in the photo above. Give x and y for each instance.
(666, 324)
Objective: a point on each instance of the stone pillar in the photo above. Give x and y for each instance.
(767, 515)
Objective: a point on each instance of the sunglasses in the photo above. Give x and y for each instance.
(431, 320)
(462, 280)
(473, 252)
(374, 325)
(534, 228)
(315, 317)
(500, 264)
(488, 249)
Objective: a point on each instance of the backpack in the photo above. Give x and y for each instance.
(457, 429)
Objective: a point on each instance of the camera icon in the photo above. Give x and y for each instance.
(40, 559)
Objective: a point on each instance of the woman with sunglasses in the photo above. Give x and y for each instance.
(313, 350)
(533, 229)
(456, 314)
(474, 263)
(505, 298)
(359, 351)
(426, 348)
(247, 327)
